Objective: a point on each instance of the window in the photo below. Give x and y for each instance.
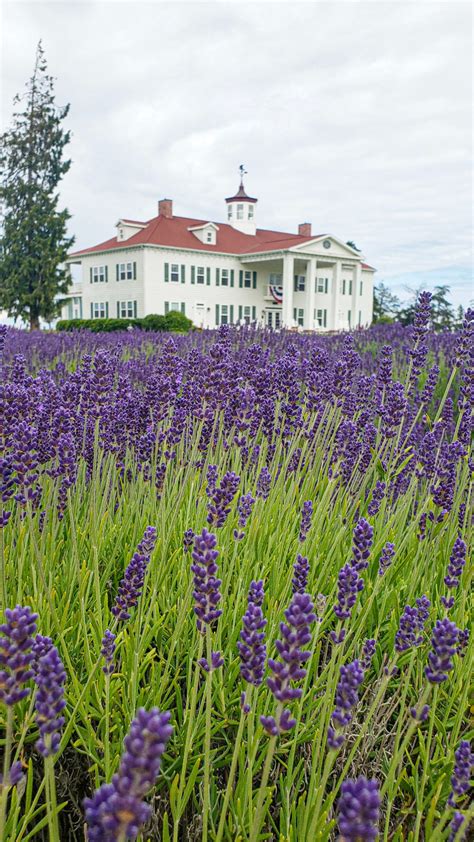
(350, 287)
(276, 279)
(298, 315)
(360, 288)
(224, 314)
(209, 236)
(225, 278)
(174, 275)
(229, 211)
(200, 274)
(176, 305)
(99, 274)
(343, 286)
(320, 287)
(321, 318)
(125, 271)
(250, 211)
(299, 284)
(240, 214)
(248, 280)
(128, 309)
(99, 310)
(247, 314)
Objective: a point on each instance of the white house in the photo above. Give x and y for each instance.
(223, 273)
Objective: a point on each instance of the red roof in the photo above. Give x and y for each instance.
(366, 266)
(173, 232)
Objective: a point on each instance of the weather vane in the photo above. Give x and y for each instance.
(242, 171)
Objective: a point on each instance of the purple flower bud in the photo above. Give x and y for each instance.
(274, 728)
(306, 516)
(108, 652)
(16, 657)
(221, 499)
(131, 586)
(457, 822)
(349, 584)
(216, 661)
(14, 776)
(386, 557)
(362, 542)
(463, 767)
(368, 652)
(264, 483)
(188, 540)
(338, 638)
(251, 646)
(245, 508)
(377, 496)
(358, 810)
(352, 675)
(463, 640)
(301, 571)
(420, 715)
(456, 563)
(117, 810)
(444, 642)
(412, 623)
(49, 702)
(206, 586)
(421, 322)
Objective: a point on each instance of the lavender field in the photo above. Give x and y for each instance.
(236, 582)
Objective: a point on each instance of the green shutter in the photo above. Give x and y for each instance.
(231, 318)
(118, 309)
(217, 314)
(208, 276)
(193, 274)
(92, 310)
(241, 278)
(69, 309)
(240, 312)
(183, 273)
(116, 271)
(295, 283)
(134, 309)
(232, 277)
(90, 274)
(134, 271)
(167, 307)
(167, 272)
(106, 309)
(106, 274)
(325, 285)
(218, 274)
(254, 314)
(183, 308)
(254, 280)
(294, 313)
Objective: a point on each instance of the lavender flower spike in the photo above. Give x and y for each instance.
(16, 640)
(463, 768)
(295, 633)
(131, 586)
(49, 703)
(456, 563)
(251, 646)
(349, 584)
(386, 557)
(117, 810)
(206, 586)
(358, 810)
(352, 675)
(306, 516)
(457, 822)
(362, 542)
(108, 652)
(411, 625)
(444, 642)
(300, 577)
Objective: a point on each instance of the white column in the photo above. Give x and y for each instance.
(336, 291)
(355, 295)
(288, 281)
(310, 294)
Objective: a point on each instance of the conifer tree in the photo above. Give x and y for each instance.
(33, 240)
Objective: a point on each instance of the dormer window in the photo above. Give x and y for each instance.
(209, 237)
(240, 211)
(206, 232)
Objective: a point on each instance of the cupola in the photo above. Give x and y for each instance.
(241, 209)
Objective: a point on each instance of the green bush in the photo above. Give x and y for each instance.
(173, 321)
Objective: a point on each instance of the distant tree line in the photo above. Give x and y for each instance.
(389, 308)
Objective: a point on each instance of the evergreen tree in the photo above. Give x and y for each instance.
(386, 304)
(442, 309)
(34, 239)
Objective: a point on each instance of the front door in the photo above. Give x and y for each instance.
(199, 315)
(273, 318)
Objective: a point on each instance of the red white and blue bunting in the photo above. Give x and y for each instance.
(276, 293)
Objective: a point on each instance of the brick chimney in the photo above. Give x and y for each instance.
(304, 229)
(165, 208)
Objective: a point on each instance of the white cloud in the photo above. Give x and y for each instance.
(356, 116)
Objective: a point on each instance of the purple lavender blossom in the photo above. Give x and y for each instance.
(457, 822)
(108, 652)
(347, 698)
(263, 483)
(362, 542)
(421, 714)
(368, 652)
(463, 640)
(358, 810)
(306, 517)
(349, 584)
(295, 633)
(216, 661)
(386, 557)
(206, 586)
(411, 626)
(16, 657)
(456, 563)
(219, 506)
(245, 506)
(131, 585)
(188, 539)
(463, 767)
(421, 322)
(378, 495)
(251, 646)
(14, 775)
(301, 572)
(49, 702)
(117, 810)
(444, 642)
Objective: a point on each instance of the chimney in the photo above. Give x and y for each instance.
(165, 208)
(304, 229)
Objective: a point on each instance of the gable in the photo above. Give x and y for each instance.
(336, 248)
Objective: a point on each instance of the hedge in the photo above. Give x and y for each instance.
(173, 321)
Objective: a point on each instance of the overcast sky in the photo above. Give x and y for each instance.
(355, 116)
